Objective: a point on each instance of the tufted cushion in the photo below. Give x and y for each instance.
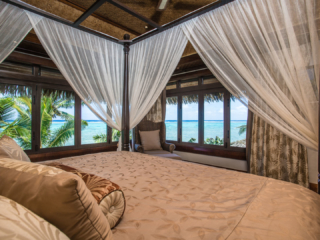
(18, 222)
(150, 140)
(10, 149)
(108, 195)
(59, 197)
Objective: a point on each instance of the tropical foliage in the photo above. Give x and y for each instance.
(242, 129)
(214, 141)
(20, 128)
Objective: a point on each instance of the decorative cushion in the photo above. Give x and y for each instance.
(150, 140)
(59, 197)
(108, 195)
(164, 154)
(18, 222)
(10, 149)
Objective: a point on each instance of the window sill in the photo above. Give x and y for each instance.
(217, 151)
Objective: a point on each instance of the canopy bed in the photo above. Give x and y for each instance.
(265, 53)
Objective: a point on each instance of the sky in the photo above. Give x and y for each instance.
(212, 111)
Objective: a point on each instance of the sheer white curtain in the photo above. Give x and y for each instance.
(266, 53)
(14, 26)
(93, 66)
(151, 64)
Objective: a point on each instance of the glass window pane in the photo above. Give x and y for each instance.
(57, 118)
(116, 134)
(93, 129)
(190, 119)
(172, 119)
(238, 124)
(213, 119)
(16, 113)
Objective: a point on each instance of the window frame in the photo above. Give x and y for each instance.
(201, 147)
(37, 83)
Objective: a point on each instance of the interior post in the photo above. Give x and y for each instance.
(125, 106)
(319, 144)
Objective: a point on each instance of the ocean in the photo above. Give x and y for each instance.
(189, 130)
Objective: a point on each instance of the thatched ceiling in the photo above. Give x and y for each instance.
(114, 21)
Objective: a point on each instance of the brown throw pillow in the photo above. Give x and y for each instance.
(150, 140)
(61, 198)
(10, 149)
(108, 195)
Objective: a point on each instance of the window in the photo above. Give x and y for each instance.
(213, 119)
(172, 118)
(190, 130)
(238, 123)
(93, 129)
(205, 118)
(16, 113)
(56, 118)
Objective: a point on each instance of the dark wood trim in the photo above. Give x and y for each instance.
(249, 137)
(125, 131)
(60, 20)
(225, 153)
(188, 75)
(313, 187)
(77, 121)
(100, 17)
(226, 118)
(16, 56)
(89, 11)
(69, 153)
(134, 13)
(32, 79)
(201, 119)
(183, 19)
(189, 70)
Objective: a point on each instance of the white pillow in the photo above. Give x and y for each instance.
(10, 149)
(150, 140)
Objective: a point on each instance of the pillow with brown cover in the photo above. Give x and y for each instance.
(108, 195)
(59, 197)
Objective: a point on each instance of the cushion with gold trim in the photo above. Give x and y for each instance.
(108, 195)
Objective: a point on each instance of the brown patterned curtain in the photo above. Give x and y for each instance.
(157, 112)
(275, 155)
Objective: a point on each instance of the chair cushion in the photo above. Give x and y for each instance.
(10, 149)
(108, 195)
(18, 222)
(61, 198)
(164, 154)
(150, 140)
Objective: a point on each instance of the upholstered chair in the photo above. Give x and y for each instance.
(167, 148)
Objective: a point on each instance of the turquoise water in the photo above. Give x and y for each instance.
(189, 130)
(211, 130)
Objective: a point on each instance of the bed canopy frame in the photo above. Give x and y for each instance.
(127, 43)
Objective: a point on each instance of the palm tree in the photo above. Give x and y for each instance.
(51, 105)
(242, 129)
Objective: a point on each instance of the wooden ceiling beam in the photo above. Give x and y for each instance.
(89, 11)
(82, 9)
(134, 13)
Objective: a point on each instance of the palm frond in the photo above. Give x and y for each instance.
(242, 129)
(62, 134)
(6, 109)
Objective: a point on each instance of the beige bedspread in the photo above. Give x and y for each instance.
(176, 200)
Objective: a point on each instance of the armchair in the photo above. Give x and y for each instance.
(167, 148)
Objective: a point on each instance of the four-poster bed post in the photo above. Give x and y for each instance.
(125, 106)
